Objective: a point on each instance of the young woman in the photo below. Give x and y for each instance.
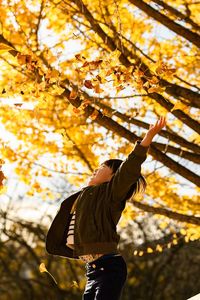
(85, 225)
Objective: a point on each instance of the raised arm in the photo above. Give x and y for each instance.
(130, 170)
(153, 130)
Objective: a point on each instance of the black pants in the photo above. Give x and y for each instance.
(106, 277)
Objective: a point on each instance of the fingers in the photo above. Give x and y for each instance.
(161, 122)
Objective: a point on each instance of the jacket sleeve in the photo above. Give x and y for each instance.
(55, 243)
(127, 174)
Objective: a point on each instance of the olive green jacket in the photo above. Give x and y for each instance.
(98, 210)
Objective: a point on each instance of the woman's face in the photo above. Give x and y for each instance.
(100, 175)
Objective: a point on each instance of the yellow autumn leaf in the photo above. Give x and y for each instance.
(183, 231)
(156, 89)
(2, 177)
(56, 90)
(149, 250)
(159, 248)
(73, 94)
(163, 225)
(153, 80)
(94, 115)
(5, 48)
(116, 54)
(181, 106)
(75, 284)
(42, 268)
(175, 242)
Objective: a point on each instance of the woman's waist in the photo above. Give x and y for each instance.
(93, 257)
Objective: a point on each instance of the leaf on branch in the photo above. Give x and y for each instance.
(23, 59)
(88, 84)
(153, 80)
(97, 89)
(94, 115)
(85, 103)
(149, 250)
(94, 64)
(120, 88)
(75, 284)
(2, 177)
(5, 48)
(138, 73)
(181, 106)
(146, 84)
(159, 248)
(115, 56)
(80, 57)
(86, 63)
(56, 90)
(76, 110)
(18, 104)
(52, 75)
(73, 94)
(170, 71)
(99, 78)
(156, 89)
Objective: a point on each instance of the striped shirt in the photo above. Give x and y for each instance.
(70, 234)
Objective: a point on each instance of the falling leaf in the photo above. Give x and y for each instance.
(88, 84)
(42, 268)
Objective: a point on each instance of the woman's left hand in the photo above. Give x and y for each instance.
(153, 130)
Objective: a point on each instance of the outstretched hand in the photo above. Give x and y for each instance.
(153, 130)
